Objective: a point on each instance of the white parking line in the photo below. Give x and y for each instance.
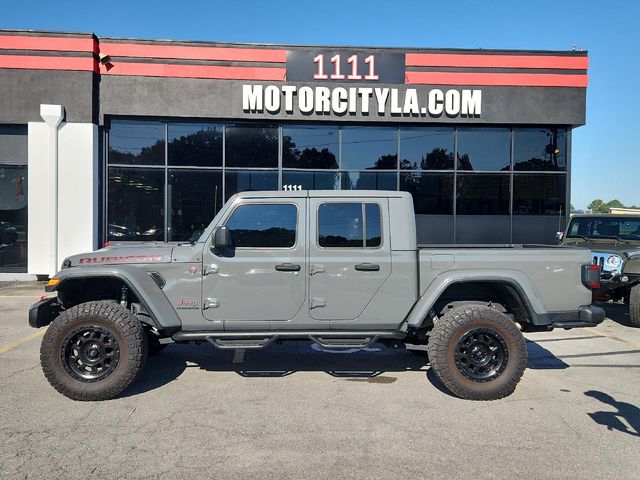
(613, 337)
(22, 341)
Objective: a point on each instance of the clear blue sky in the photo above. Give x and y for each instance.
(606, 160)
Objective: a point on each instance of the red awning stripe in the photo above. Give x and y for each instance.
(62, 44)
(495, 61)
(36, 62)
(497, 79)
(194, 71)
(137, 50)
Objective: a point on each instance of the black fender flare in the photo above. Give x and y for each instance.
(162, 313)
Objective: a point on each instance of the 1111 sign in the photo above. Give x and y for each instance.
(345, 66)
(352, 61)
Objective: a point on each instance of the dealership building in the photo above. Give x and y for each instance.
(126, 140)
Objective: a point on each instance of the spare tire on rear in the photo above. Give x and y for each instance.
(477, 352)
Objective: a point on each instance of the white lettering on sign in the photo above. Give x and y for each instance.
(353, 100)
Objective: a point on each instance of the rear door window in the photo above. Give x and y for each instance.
(349, 225)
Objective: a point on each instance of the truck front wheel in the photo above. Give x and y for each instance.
(477, 352)
(93, 351)
(634, 306)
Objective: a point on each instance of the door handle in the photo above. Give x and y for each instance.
(367, 267)
(288, 267)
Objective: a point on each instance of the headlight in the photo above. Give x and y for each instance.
(613, 262)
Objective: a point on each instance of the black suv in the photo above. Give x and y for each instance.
(615, 243)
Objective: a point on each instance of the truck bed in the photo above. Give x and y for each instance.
(552, 273)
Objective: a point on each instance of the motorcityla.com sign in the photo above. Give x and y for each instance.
(364, 100)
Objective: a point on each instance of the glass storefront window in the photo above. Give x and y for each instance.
(13, 198)
(369, 181)
(249, 180)
(369, 148)
(195, 144)
(309, 180)
(539, 194)
(484, 149)
(329, 157)
(482, 194)
(13, 217)
(426, 148)
(195, 196)
(541, 149)
(310, 146)
(135, 204)
(432, 192)
(253, 146)
(136, 142)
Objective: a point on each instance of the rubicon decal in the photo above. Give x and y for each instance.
(126, 259)
(364, 100)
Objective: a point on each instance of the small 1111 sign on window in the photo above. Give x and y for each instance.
(289, 188)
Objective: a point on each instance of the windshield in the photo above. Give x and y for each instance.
(605, 227)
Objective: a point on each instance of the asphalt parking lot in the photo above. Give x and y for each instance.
(295, 411)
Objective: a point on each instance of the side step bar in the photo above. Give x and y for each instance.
(245, 343)
(326, 339)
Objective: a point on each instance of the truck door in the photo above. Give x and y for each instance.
(349, 255)
(263, 276)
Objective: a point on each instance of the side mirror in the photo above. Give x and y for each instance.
(559, 236)
(221, 238)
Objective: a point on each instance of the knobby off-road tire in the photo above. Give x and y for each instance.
(477, 352)
(93, 351)
(634, 306)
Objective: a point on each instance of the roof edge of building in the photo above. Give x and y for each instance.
(487, 51)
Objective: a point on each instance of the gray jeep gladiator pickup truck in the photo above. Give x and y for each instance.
(339, 268)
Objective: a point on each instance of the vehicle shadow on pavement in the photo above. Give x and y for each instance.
(617, 312)
(614, 420)
(542, 359)
(375, 364)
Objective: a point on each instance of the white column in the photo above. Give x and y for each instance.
(52, 116)
(63, 190)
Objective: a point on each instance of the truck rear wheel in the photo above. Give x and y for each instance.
(634, 306)
(93, 351)
(477, 352)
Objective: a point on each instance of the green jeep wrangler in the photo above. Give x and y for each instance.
(615, 244)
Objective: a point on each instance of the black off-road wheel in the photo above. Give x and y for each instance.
(477, 352)
(93, 351)
(634, 306)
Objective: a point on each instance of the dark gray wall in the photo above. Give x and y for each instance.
(178, 97)
(24, 90)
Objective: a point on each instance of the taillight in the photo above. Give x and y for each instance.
(591, 276)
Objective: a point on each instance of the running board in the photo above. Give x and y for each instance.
(353, 342)
(244, 343)
(255, 340)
